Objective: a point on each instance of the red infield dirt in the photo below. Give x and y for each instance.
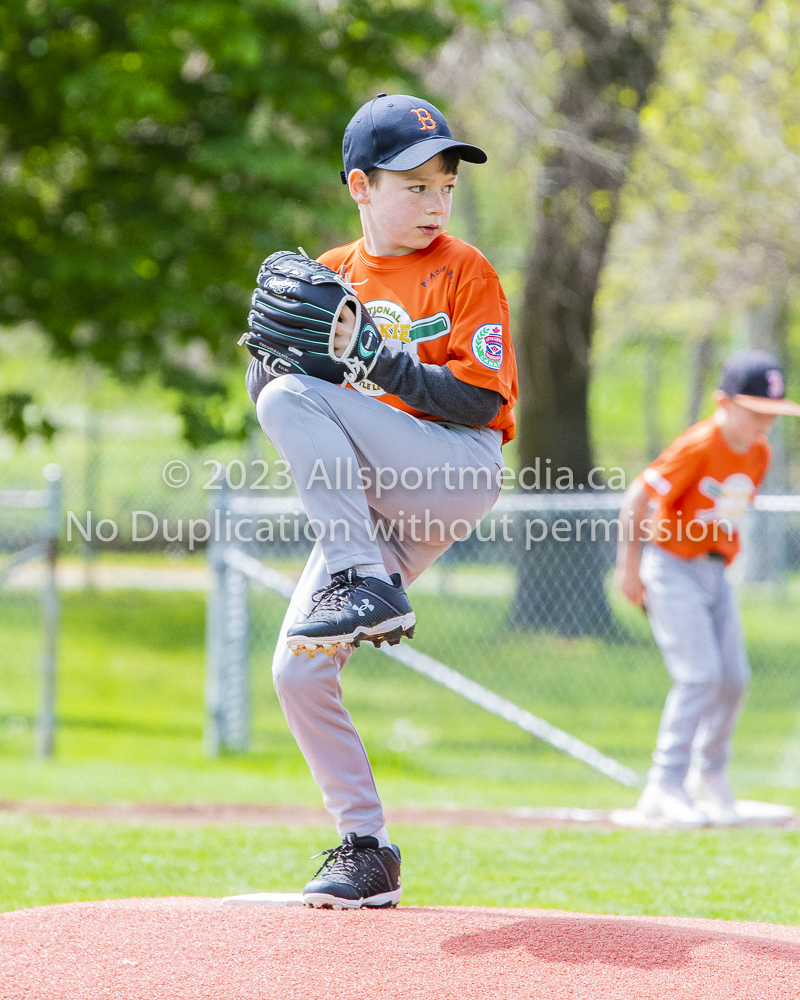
(176, 948)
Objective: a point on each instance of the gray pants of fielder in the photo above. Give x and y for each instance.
(695, 620)
(326, 434)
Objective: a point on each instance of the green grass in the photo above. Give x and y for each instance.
(131, 709)
(131, 712)
(734, 875)
(610, 695)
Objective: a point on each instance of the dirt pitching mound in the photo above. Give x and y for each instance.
(176, 948)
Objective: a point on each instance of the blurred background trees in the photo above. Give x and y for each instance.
(702, 254)
(640, 203)
(654, 149)
(153, 153)
(610, 56)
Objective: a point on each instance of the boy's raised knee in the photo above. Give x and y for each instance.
(273, 402)
(272, 399)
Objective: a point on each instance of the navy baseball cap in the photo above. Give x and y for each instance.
(398, 132)
(754, 380)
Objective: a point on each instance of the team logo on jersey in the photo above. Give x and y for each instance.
(487, 345)
(401, 333)
(732, 498)
(392, 320)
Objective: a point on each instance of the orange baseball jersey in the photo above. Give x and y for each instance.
(444, 304)
(699, 478)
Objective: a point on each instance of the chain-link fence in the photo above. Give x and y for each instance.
(125, 464)
(30, 523)
(521, 622)
(530, 619)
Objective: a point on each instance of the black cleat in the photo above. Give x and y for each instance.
(356, 873)
(351, 610)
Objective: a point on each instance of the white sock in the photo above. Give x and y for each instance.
(382, 837)
(378, 570)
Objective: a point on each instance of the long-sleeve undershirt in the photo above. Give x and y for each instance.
(432, 389)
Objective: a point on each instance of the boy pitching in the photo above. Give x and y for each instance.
(408, 462)
(701, 485)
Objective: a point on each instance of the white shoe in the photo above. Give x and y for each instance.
(711, 792)
(671, 804)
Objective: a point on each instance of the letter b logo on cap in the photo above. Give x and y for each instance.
(774, 383)
(426, 122)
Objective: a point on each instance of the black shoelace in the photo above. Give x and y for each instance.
(344, 854)
(334, 596)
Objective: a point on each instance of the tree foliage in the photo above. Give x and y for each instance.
(611, 60)
(565, 80)
(155, 151)
(710, 219)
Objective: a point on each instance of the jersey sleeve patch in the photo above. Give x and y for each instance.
(487, 345)
(654, 478)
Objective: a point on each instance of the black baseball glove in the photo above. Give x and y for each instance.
(292, 324)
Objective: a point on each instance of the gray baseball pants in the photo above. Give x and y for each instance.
(421, 477)
(695, 620)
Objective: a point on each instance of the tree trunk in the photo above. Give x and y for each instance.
(560, 583)
(611, 61)
(605, 85)
(702, 360)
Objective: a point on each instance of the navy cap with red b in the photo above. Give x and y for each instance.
(754, 379)
(399, 132)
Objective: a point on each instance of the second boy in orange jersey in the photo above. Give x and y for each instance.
(701, 485)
